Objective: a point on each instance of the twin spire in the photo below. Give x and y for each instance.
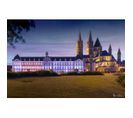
(90, 47)
(93, 49)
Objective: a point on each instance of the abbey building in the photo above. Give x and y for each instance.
(95, 59)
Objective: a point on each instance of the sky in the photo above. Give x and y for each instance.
(59, 37)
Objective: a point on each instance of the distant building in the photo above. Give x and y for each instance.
(95, 59)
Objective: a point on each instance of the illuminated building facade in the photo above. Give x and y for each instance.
(95, 60)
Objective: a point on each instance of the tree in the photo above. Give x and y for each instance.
(15, 28)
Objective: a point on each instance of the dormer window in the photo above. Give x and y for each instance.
(16, 59)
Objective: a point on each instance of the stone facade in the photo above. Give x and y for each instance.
(95, 59)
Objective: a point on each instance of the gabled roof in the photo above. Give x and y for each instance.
(97, 43)
(104, 53)
(17, 57)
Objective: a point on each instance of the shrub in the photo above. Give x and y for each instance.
(92, 73)
(30, 74)
(121, 80)
(83, 73)
(71, 73)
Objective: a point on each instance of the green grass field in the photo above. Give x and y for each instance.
(100, 86)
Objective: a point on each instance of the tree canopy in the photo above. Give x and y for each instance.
(15, 28)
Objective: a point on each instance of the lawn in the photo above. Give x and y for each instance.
(96, 86)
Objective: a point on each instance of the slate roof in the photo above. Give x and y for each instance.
(17, 57)
(97, 43)
(32, 58)
(63, 58)
(52, 58)
(28, 58)
(104, 53)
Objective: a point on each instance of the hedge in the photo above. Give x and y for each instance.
(83, 73)
(30, 74)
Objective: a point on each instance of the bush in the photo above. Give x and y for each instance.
(121, 80)
(30, 74)
(92, 73)
(46, 73)
(83, 73)
(71, 73)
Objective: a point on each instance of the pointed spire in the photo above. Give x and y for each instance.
(79, 45)
(97, 43)
(90, 37)
(89, 48)
(119, 56)
(110, 50)
(119, 51)
(79, 38)
(90, 41)
(110, 46)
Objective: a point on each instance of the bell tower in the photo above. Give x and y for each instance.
(97, 47)
(119, 56)
(79, 46)
(89, 48)
(110, 50)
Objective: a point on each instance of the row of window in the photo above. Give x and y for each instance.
(67, 67)
(56, 70)
(48, 63)
(104, 58)
(25, 67)
(32, 63)
(49, 67)
(105, 64)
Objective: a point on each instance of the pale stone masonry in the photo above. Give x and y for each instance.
(95, 59)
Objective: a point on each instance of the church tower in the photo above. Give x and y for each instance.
(79, 46)
(97, 48)
(110, 50)
(119, 56)
(89, 48)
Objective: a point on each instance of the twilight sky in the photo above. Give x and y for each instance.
(59, 37)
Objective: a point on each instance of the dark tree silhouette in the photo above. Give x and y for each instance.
(15, 28)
